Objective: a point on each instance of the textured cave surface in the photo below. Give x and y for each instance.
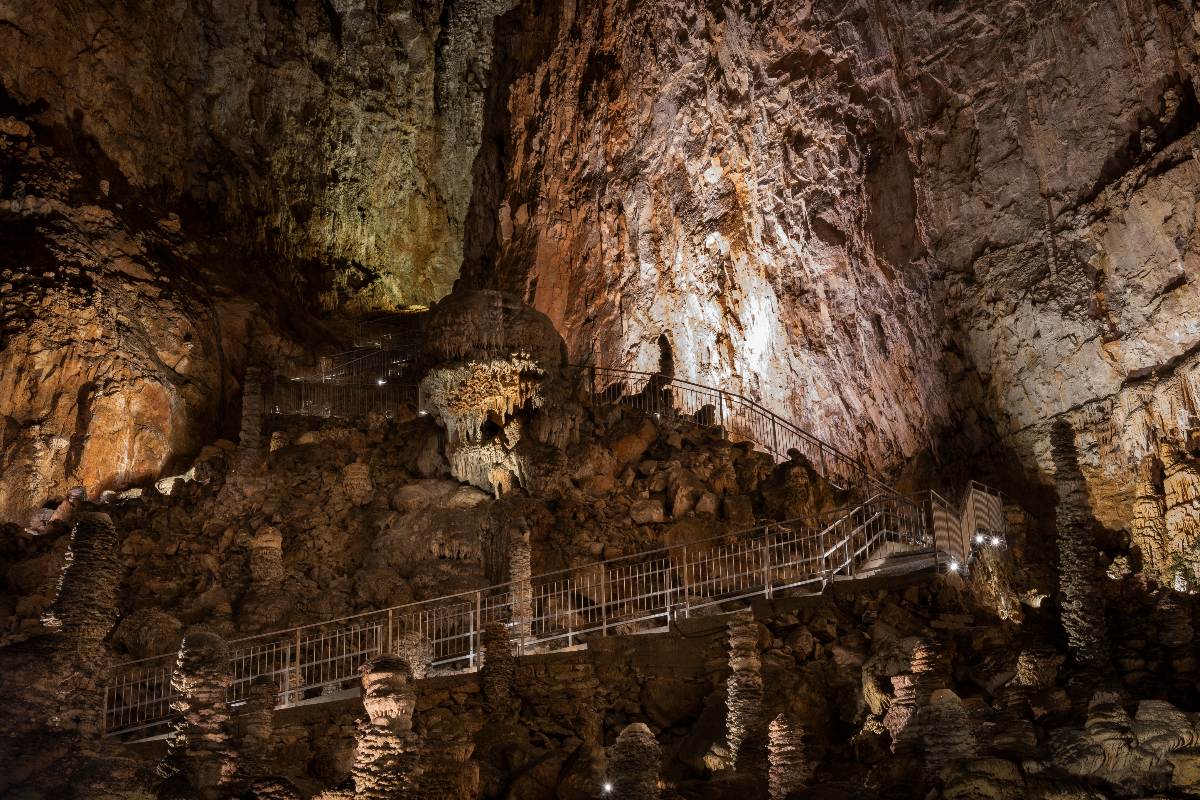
(954, 239)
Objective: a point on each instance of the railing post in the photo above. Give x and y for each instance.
(477, 628)
(775, 436)
(766, 556)
(298, 669)
(721, 414)
(603, 599)
(687, 584)
(388, 634)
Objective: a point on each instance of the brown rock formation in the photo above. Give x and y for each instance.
(634, 764)
(85, 608)
(745, 726)
(1181, 516)
(256, 720)
(386, 761)
(499, 667)
(1082, 603)
(1149, 529)
(788, 770)
(200, 747)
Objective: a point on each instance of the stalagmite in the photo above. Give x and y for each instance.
(85, 606)
(257, 720)
(1181, 501)
(499, 671)
(520, 570)
(416, 651)
(386, 758)
(634, 764)
(250, 440)
(266, 558)
(745, 726)
(1082, 603)
(1149, 528)
(199, 744)
(788, 770)
(907, 718)
(357, 483)
(948, 732)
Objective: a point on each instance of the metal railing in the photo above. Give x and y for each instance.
(960, 529)
(739, 417)
(291, 396)
(369, 364)
(560, 609)
(390, 330)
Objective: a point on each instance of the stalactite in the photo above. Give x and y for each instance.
(745, 726)
(634, 764)
(387, 755)
(85, 606)
(199, 744)
(1082, 603)
(1149, 529)
(788, 770)
(499, 671)
(520, 570)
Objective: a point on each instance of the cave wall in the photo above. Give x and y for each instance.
(900, 223)
(334, 137)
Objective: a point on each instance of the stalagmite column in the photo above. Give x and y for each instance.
(745, 727)
(520, 570)
(634, 764)
(199, 744)
(1149, 529)
(948, 732)
(499, 671)
(266, 558)
(1181, 500)
(258, 727)
(250, 440)
(906, 719)
(357, 483)
(788, 770)
(416, 651)
(85, 607)
(387, 755)
(1082, 603)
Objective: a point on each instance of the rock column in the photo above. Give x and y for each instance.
(250, 440)
(520, 570)
(199, 745)
(1082, 602)
(1149, 529)
(787, 769)
(387, 755)
(634, 764)
(258, 728)
(907, 717)
(85, 606)
(416, 651)
(745, 729)
(1181, 516)
(499, 672)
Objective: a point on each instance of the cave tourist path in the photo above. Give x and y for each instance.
(641, 593)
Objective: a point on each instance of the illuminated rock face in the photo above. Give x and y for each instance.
(837, 209)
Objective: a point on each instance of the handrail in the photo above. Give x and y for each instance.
(830, 461)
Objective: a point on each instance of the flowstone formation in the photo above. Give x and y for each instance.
(499, 386)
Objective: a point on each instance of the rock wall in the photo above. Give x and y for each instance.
(847, 209)
(336, 137)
